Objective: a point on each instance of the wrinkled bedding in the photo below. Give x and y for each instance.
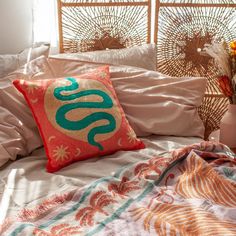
(26, 182)
(164, 105)
(187, 191)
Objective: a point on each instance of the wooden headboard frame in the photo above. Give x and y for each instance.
(88, 25)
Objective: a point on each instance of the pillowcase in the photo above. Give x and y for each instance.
(78, 117)
(153, 103)
(10, 63)
(158, 104)
(19, 135)
(143, 56)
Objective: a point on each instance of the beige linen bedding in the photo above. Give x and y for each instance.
(25, 181)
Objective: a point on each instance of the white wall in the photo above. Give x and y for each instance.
(15, 25)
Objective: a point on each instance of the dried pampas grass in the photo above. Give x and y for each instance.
(219, 52)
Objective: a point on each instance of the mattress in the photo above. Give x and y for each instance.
(26, 182)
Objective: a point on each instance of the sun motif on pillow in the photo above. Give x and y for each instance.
(78, 117)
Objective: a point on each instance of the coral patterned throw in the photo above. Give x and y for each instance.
(78, 117)
(189, 192)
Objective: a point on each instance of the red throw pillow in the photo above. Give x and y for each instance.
(78, 117)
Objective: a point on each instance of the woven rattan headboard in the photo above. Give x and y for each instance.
(182, 27)
(96, 25)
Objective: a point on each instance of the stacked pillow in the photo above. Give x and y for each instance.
(153, 104)
(18, 131)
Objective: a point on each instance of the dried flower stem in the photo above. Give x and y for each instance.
(224, 56)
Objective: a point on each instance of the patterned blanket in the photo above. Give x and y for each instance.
(190, 191)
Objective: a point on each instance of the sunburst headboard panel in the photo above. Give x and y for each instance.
(88, 25)
(182, 28)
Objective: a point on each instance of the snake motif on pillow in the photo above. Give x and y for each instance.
(78, 117)
(85, 122)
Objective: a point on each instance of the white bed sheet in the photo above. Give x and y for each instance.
(25, 182)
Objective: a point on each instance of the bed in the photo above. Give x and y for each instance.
(164, 179)
(32, 182)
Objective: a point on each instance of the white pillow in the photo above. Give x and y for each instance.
(143, 56)
(153, 103)
(10, 63)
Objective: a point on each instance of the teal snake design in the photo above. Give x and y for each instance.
(88, 120)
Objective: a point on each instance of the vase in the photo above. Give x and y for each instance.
(228, 127)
